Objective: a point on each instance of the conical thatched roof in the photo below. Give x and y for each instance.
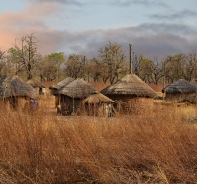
(130, 85)
(97, 98)
(62, 83)
(35, 83)
(194, 83)
(180, 86)
(15, 86)
(78, 88)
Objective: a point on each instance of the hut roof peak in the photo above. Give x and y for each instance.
(35, 82)
(130, 84)
(77, 88)
(180, 86)
(15, 86)
(62, 83)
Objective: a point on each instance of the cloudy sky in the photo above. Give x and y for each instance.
(155, 28)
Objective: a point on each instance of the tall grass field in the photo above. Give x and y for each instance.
(46, 148)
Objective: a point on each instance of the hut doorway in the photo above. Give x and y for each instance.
(13, 102)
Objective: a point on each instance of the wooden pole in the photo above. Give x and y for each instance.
(164, 74)
(130, 49)
(164, 77)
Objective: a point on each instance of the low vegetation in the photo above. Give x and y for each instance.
(48, 148)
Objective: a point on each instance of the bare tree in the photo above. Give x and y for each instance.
(46, 70)
(174, 67)
(113, 62)
(190, 66)
(5, 66)
(146, 66)
(136, 63)
(55, 60)
(93, 70)
(25, 54)
(157, 71)
(75, 66)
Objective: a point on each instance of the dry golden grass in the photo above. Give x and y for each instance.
(49, 148)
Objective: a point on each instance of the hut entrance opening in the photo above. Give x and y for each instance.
(69, 106)
(40, 91)
(13, 102)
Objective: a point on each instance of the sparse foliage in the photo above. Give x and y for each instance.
(191, 66)
(75, 66)
(25, 54)
(93, 70)
(5, 66)
(47, 69)
(112, 62)
(53, 63)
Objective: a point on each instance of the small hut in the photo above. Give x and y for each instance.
(54, 91)
(15, 91)
(37, 85)
(72, 93)
(180, 91)
(131, 94)
(98, 105)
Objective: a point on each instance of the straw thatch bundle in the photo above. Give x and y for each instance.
(77, 88)
(180, 91)
(130, 85)
(15, 87)
(35, 83)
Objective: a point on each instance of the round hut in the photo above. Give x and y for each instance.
(14, 92)
(54, 88)
(37, 85)
(54, 91)
(181, 91)
(98, 105)
(72, 93)
(131, 94)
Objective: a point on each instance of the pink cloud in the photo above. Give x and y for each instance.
(31, 19)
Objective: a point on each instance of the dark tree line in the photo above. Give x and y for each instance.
(111, 64)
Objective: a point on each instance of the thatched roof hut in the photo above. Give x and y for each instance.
(13, 88)
(95, 104)
(60, 84)
(77, 88)
(181, 90)
(180, 86)
(130, 85)
(131, 94)
(37, 84)
(70, 92)
(194, 83)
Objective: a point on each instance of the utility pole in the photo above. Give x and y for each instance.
(84, 67)
(164, 74)
(130, 66)
(164, 77)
